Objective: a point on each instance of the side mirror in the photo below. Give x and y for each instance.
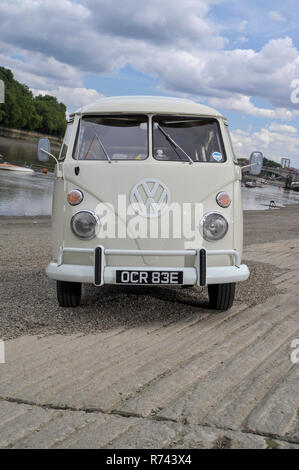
(43, 150)
(256, 163)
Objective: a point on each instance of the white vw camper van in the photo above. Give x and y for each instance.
(147, 192)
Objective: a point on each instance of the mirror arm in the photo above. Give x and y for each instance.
(50, 155)
(248, 166)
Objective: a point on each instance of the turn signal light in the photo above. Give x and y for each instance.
(223, 199)
(74, 197)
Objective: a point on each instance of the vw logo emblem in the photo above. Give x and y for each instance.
(150, 198)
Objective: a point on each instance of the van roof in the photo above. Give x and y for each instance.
(148, 104)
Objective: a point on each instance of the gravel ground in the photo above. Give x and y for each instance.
(28, 298)
(271, 225)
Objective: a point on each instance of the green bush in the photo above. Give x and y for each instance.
(21, 110)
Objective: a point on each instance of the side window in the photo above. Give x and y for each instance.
(66, 142)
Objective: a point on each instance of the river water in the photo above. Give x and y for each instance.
(31, 194)
(259, 198)
(22, 193)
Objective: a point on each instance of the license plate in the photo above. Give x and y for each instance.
(149, 277)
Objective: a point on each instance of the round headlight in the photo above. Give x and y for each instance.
(223, 199)
(74, 197)
(83, 224)
(213, 226)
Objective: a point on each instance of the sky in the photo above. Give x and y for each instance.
(239, 57)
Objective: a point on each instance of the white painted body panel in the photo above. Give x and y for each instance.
(148, 105)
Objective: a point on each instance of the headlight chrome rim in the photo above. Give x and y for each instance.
(204, 221)
(96, 224)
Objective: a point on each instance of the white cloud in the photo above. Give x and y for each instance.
(41, 71)
(75, 97)
(276, 16)
(242, 26)
(62, 41)
(157, 21)
(284, 128)
(242, 39)
(243, 105)
(229, 74)
(274, 145)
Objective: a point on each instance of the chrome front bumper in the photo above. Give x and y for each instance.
(100, 274)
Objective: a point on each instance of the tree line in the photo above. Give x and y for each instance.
(22, 110)
(271, 163)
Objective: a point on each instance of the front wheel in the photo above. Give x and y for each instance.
(221, 296)
(68, 293)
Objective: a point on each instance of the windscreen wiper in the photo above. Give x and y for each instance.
(103, 148)
(172, 142)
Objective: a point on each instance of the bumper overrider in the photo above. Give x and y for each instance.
(100, 273)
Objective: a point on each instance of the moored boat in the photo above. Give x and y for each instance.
(10, 167)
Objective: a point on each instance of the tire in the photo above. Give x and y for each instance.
(221, 296)
(68, 293)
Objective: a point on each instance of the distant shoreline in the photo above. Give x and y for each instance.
(30, 136)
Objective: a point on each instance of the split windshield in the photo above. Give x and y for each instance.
(175, 138)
